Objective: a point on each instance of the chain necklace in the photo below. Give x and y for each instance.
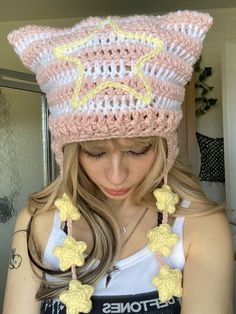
(115, 268)
(123, 229)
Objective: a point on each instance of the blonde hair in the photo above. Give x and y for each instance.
(92, 204)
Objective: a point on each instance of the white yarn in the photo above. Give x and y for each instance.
(106, 105)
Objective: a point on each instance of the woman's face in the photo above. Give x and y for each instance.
(117, 172)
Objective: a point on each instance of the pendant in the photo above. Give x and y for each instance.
(109, 274)
(123, 230)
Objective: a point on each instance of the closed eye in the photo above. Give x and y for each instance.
(133, 153)
(141, 152)
(95, 156)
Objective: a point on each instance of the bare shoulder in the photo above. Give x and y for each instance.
(208, 270)
(41, 225)
(23, 218)
(216, 222)
(208, 231)
(41, 228)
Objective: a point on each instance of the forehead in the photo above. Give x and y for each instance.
(115, 143)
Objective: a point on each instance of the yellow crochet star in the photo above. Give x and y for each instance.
(77, 298)
(161, 239)
(166, 199)
(156, 46)
(67, 209)
(168, 283)
(70, 253)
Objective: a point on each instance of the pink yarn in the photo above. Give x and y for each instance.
(73, 267)
(111, 56)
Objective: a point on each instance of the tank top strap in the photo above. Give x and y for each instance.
(159, 218)
(56, 237)
(177, 258)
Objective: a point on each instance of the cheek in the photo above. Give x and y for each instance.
(150, 160)
(141, 168)
(90, 168)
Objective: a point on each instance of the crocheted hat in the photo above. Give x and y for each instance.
(114, 77)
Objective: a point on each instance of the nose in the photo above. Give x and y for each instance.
(116, 172)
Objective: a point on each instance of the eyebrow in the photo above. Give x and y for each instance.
(104, 144)
(92, 147)
(127, 147)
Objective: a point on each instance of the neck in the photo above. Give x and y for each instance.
(124, 208)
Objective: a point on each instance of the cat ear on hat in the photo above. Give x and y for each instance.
(192, 23)
(29, 44)
(185, 32)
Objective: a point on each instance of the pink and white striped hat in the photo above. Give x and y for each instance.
(116, 76)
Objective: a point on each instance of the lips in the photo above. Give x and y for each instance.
(117, 192)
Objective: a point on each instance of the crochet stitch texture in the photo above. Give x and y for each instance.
(114, 77)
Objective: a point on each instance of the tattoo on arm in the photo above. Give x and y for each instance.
(15, 260)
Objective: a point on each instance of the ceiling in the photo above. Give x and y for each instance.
(19, 10)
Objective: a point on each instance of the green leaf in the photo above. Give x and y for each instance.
(202, 77)
(199, 112)
(205, 74)
(207, 71)
(202, 103)
(212, 101)
(201, 86)
(198, 98)
(207, 107)
(204, 91)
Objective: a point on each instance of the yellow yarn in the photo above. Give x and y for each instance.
(70, 253)
(60, 52)
(166, 199)
(168, 283)
(161, 239)
(67, 209)
(77, 298)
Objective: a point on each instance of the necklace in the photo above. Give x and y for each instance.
(115, 268)
(123, 229)
(134, 228)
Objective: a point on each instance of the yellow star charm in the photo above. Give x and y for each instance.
(156, 46)
(168, 283)
(67, 209)
(166, 199)
(70, 253)
(161, 239)
(77, 298)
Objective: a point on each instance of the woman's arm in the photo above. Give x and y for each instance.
(22, 283)
(208, 272)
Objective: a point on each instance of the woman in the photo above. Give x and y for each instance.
(125, 228)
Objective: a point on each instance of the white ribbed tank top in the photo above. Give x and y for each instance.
(135, 272)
